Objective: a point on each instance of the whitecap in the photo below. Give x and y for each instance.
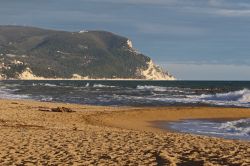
(239, 127)
(241, 96)
(87, 85)
(103, 86)
(50, 85)
(150, 87)
(8, 94)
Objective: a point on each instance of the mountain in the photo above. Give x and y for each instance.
(34, 53)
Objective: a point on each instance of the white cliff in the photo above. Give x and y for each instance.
(28, 75)
(154, 72)
(129, 43)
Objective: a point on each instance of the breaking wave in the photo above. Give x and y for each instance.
(130, 93)
(153, 88)
(103, 86)
(240, 96)
(87, 85)
(160, 88)
(239, 127)
(8, 94)
(44, 84)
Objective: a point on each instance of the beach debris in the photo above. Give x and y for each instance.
(58, 109)
(61, 109)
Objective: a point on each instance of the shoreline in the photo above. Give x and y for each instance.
(144, 118)
(166, 125)
(111, 136)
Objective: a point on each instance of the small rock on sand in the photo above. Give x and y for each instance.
(61, 109)
(58, 109)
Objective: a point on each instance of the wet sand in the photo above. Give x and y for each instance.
(94, 135)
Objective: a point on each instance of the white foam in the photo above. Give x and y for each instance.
(241, 96)
(6, 94)
(46, 98)
(149, 87)
(103, 86)
(44, 84)
(239, 127)
(161, 88)
(50, 85)
(87, 85)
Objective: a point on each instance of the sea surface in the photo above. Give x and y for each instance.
(237, 129)
(142, 93)
(132, 93)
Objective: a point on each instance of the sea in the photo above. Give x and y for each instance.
(143, 93)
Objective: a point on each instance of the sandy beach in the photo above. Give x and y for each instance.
(94, 135)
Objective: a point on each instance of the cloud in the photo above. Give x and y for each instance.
(149, 2)
(233, 13)
(223, 4)
(213, 7)
(222, 12)
(229, 8)
(229, 4)
(161, 29)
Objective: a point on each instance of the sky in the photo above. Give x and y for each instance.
(192, 39)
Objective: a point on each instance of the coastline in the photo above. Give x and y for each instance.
(208, 127)
(112, 135)
(144, 118)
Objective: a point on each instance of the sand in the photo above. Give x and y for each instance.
(111, 136)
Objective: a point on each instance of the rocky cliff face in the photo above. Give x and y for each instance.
(154, 72)
(33, 53)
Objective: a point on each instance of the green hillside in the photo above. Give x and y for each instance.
(60, 54)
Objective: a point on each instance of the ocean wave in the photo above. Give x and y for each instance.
(236, 98)
(161, 88)
(103, 86)
(87, 85)
(44, 84)
(125, 94)
(50, 85)
(239, 127)
(240, 96)
(150, 87)
(8, 94)
(45, 98)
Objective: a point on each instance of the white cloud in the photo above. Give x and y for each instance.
(223, 12)
(217, 7)
(233, 13)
